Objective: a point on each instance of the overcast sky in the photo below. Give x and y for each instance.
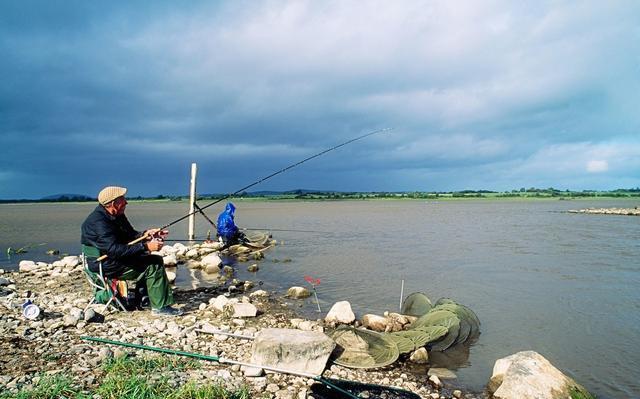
(480, 95)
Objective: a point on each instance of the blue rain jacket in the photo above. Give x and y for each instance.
(227, 228)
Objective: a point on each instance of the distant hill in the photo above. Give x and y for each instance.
(67, 197)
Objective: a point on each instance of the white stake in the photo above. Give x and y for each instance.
(401, 294)
(192, 200)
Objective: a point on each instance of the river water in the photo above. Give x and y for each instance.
(564, 285)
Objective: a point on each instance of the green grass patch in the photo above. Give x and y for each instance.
(132, 378)
(49, 387)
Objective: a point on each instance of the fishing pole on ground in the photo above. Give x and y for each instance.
(222, 360)
(199, 209)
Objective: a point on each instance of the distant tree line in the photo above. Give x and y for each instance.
(334, 195)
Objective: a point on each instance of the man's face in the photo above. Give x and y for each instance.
(119, 205)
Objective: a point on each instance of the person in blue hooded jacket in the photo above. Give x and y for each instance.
(227, 229)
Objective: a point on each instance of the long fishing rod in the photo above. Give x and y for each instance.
(275, 174)
(199, 209)
(222, 360)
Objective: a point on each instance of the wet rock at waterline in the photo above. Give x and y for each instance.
(528, 375)
(298, 293)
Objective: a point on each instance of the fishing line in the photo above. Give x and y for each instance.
(275, 174)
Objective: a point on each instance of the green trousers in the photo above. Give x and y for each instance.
(149, 269)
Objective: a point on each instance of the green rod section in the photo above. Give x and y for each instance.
(153, 349)
(218, 360)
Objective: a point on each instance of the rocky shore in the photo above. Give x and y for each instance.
(609, 211)
(51, 344)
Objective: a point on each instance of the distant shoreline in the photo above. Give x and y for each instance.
(307, 195)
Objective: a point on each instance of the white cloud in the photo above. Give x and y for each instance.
(597, 166)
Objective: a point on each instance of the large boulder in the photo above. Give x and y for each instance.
(528, 375)
(294, 350)
(340, 313)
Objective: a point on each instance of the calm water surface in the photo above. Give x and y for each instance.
(565, 285)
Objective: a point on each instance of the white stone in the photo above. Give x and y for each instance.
(211, 260)
(170, 260)
(252, 371)
(26, 266)
(71, 261)
(340, 313)
(374, 322)
(528, 375)
(171, 276)
(244, 310)
(219, 302)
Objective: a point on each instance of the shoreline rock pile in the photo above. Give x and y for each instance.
(609, 211)
(52, 344)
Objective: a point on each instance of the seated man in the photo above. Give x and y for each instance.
(227, 229)
(108, 229)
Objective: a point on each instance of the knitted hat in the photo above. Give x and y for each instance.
(110, 193)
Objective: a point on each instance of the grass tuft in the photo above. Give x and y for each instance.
(132, 378)
(57, 386)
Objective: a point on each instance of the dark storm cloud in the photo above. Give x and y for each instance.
(486, 95)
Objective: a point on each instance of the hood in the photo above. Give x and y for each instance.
(230, 209)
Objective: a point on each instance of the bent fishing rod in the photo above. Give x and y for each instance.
(200, 209)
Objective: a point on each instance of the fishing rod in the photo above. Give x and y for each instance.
(222, 360)
(199, 209)
(275, 174)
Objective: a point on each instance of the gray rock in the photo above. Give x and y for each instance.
(296, 350)
(4, 282)
(259, 294)
(528, 375)
(77, 313)
(298, 292)
(442, 373)
(69, 321)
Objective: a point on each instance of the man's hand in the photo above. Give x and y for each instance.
(150, 233)
(154, 245)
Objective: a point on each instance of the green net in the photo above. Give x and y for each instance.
(359, 348)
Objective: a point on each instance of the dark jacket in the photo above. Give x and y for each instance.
(110, 234)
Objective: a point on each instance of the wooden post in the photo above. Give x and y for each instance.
(192, 200)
